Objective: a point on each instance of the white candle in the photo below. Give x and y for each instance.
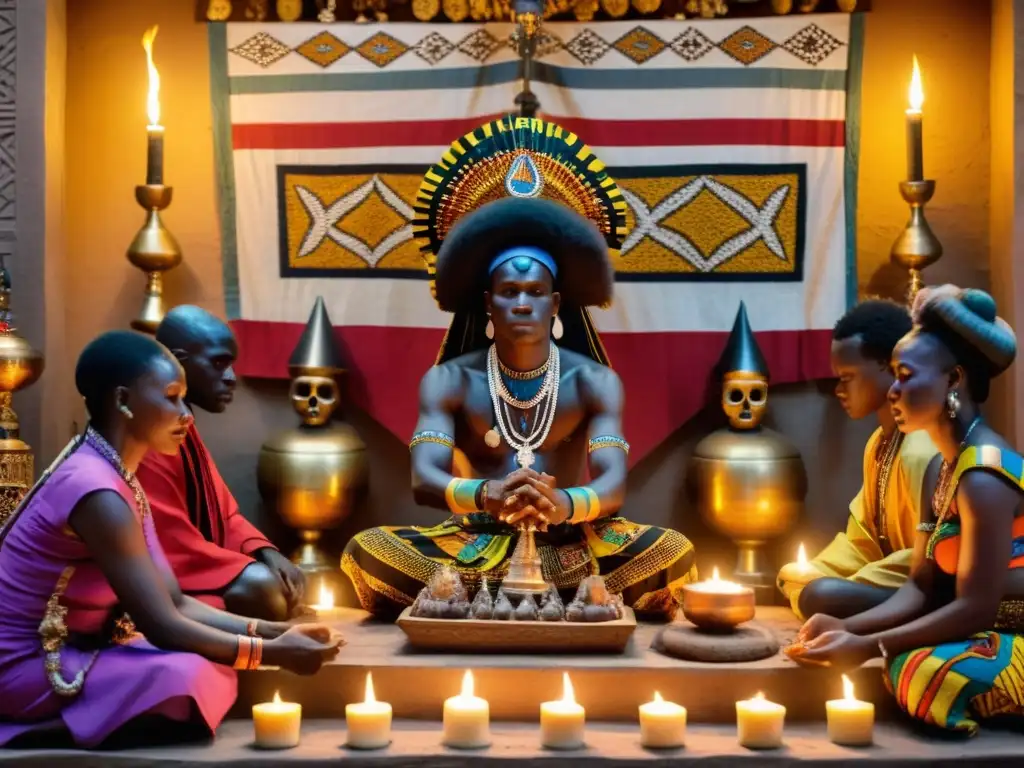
(467, 718)
(759, 723)
(368, 721)
(277, 723)
(662, 724)
(915, 142)
(562, 722)
(851, 723)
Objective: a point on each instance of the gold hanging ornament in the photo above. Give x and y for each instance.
(707, 9)
(480, 10)
(425, 10)
(289, 10)
(218, 10)
(615, 8)
(584, 10)
(647, 6)
(782, 7)
(456, 10)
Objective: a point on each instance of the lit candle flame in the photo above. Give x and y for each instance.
(916, 89)
(801, 555)
(369, 697)
(759, 696)
(714, 574)
(848, 689)
(568, 695)
(657, 697)
(326, 598)
(277, 697)
(467, 685)
(153, 96)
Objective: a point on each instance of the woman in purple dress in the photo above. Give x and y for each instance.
(95, 635)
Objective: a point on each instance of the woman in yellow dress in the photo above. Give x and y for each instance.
(951, 636)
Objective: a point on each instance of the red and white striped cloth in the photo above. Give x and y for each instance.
(694, 99)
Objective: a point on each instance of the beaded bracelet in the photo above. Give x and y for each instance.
(429, 436)
(607, 441)
(586, 506)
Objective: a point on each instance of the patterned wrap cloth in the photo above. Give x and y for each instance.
(953, 685)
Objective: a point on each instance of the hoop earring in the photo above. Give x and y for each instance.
(126, 411)
(953, 404)
(556, 328)
(489, 330)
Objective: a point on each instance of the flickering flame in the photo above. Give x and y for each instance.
(916, 89)
(759, 696)
(326, 598)
(801, 555)
(848, 689)
(153, 96)
(568, 695)
(657, 697)
(714, 575)
(369, 697)
(277, 697)
(467, 685)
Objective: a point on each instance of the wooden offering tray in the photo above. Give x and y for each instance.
(490, 636)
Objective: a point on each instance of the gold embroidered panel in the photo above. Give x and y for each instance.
(684, 222)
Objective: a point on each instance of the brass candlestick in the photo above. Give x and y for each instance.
(525, 576)
(917, 246)
(153, 250)
(20, 366)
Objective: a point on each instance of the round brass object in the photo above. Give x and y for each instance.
(154, 251)
(748, 486)
(717, 611)
(20, 364)
(310, 475)
(917, 247)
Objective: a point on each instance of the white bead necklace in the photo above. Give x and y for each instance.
(524, 445)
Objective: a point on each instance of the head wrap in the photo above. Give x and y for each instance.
(519, 187)
(970, 315)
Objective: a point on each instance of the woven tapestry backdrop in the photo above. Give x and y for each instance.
(734, 144)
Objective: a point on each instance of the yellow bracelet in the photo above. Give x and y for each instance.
(461, 495)
(586, 506)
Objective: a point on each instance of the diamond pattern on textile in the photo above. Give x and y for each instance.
(640, 45)
(587, 47)
(747, 45)
(381, 49)
(692, 44)
(323, 49)
(547, 43)
(812, 44)
(479, 45)
(433, 48)
(262, 49)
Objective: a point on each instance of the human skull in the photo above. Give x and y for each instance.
(744, 399)
(314, 398)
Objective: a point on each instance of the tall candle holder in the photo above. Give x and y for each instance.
(917, 247)
(153, 250)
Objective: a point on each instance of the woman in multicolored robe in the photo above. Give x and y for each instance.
(952, 636)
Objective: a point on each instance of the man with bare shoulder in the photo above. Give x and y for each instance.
(522, 400)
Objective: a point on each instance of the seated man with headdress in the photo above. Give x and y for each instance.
(523, 414)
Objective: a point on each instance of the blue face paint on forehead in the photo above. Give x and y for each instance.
(521, 256)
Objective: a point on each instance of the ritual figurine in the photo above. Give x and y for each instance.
(522, 386)
(747, 481)
(871, 558)
(310, 474)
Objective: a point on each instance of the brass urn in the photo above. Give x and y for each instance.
(747, 481)
(311, 473)
(20, 366)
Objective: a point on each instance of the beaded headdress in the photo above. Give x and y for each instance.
(519, 182)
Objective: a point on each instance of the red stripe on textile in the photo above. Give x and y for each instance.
(598, 133)
(665, 375)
